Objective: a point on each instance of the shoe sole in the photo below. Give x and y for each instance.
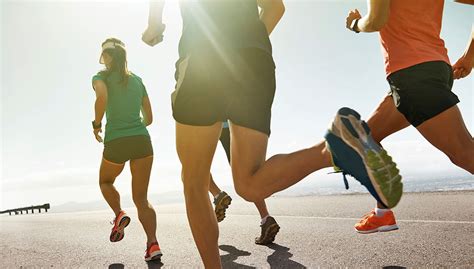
(382, 171)
(118, 234)
(386, 228)
(269, 235)
(154, 256)
(222, 206)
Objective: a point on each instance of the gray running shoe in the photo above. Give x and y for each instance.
(269, 230)
(221, 203)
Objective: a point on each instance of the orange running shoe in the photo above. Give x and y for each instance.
(153, 252)
(120, 222)
(370, 223)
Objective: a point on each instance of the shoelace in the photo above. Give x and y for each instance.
(365, 218)
(346, 183)
(112, 222)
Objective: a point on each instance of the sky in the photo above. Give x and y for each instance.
(50, 51)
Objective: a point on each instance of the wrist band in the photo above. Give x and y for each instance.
(96, 126)
(354, 26)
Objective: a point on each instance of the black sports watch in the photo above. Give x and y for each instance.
(354, 26)
(96, 126)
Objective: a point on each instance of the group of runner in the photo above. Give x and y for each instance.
(225, 85)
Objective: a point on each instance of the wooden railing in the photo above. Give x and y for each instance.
(18, 211)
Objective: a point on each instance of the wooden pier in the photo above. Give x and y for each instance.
(19, 211)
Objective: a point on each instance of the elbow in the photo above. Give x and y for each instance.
(275, 7)
(376, 24)
(280, 8)
(148, 121)
(101, 99)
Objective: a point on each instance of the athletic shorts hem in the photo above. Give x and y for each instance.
(208, 90)
(121, 150)
(423, 91)
(441, 109)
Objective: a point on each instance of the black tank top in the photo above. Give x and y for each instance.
(221, 25)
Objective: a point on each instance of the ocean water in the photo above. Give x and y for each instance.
(411, 184)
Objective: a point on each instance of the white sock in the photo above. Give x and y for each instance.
(264, 219)
(379, 212)
(215, 197)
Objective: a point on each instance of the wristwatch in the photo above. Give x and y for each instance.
(96, 126)
(354, 26)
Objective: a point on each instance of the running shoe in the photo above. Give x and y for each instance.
(120, 222)
(354, 152)
(269, 230)
(221, 202)
(371, 223)
(153, 252)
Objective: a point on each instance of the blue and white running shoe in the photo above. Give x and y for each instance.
(354, 152)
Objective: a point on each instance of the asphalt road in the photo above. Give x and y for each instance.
(436, 230)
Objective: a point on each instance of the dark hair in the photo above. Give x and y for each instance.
(119, 60)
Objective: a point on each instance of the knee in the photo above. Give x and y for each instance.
(194, 182)
(140, 201)
(463, 158)
(105, 181)
(248, 192)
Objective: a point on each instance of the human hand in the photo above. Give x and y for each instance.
(462, 68)
(153, 34)
(353, 15)
(97, 136)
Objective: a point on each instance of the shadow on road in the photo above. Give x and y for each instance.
(281, 258)
(394, 267)
(228, 260)
(154, 264)
(116, 266)
(151, 265)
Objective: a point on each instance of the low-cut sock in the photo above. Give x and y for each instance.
(264, 219)
(380, 212)
(217, 195)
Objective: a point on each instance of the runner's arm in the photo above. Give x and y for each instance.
(463, 67)
(155, 14)
(377, 17)
(146, 111)
(101, 99)
(154, 32)
(271, 13)
(469, 2)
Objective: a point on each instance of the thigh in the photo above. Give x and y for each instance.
(248, 151)
(447, 132)
(386, 120)
(109, 171)
(141, 170)
(196, 146)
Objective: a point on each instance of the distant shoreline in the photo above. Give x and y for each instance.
(364, 193)
(100, 205)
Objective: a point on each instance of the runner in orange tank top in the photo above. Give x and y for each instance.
(421, 78)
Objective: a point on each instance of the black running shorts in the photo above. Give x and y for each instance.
(422, 91)
(225, 141)
(217, 86)
(128, 148)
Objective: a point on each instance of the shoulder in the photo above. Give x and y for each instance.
(138, 79)
(101, 75)
(135, 76)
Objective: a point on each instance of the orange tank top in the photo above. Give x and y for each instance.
(412, 34)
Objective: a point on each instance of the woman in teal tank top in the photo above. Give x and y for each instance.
(121, 96)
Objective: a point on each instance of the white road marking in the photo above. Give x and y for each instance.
(356, 219)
